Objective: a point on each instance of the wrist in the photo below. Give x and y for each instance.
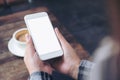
(74, 70)
(33, 71)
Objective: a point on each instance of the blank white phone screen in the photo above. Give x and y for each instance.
(43, 35)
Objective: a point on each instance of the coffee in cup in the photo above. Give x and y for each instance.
(20, 36)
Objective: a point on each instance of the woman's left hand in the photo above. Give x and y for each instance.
(32, 60)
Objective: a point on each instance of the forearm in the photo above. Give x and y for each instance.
(40, 76)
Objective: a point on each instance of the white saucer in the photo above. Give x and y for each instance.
(15, 49)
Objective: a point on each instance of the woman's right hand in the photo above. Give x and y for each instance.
(69, 64)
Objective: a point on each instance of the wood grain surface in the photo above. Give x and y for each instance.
(13, 67)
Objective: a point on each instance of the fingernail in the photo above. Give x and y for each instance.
(56, 29)
(27, 37)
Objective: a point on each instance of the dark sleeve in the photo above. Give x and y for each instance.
(84, 69)
(40, 76)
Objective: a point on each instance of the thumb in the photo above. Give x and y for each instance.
(30, 50)
(60, 37)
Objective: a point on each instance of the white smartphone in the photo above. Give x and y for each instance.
(44, 38)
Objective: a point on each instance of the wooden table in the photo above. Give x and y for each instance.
(13, 67)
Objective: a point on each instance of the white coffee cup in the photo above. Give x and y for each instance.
(19, 38)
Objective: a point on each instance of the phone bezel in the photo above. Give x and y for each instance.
(47, 55)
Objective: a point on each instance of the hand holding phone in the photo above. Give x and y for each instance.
(43, 35)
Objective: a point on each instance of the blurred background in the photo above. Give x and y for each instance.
(86, 20)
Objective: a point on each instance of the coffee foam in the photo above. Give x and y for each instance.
(20, 36)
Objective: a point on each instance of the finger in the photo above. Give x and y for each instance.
(30, 50)
(60, 37)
